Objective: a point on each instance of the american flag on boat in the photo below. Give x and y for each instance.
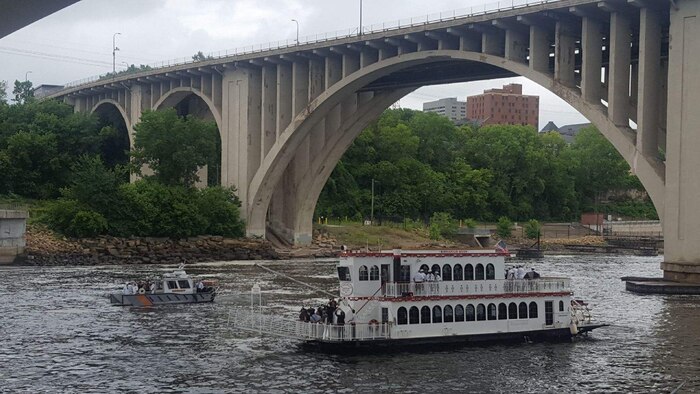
(502, 247)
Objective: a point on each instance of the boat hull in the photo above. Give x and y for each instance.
(160, 299)
(443, 342)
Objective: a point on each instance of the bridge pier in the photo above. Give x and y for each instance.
(681, 222)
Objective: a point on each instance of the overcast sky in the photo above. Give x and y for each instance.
(76, 42)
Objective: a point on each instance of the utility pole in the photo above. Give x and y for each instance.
(360, 31)
(26, 76)
(371, 215)
(114, 52)
(297, 22)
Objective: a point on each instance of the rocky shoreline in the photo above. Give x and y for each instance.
(45, 248)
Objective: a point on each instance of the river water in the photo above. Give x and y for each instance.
(58, 333)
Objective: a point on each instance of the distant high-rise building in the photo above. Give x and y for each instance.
(504, 106)
(448, 107)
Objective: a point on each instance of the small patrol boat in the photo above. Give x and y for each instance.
(175, 287)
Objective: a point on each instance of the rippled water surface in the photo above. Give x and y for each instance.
(58, 333)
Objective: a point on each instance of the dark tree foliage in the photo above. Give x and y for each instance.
(422, 164)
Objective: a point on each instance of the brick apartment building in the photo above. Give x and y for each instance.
(504, 106)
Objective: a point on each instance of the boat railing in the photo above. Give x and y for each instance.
(497, 286)
(263, 321)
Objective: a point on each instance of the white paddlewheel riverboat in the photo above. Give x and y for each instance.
(386, 304)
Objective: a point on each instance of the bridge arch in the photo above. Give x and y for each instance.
(115, 105)
(174, 96)
(650, 172)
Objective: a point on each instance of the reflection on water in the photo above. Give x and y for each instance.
(58, 332)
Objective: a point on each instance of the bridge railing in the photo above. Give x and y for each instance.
(502, 5)
(470, 287)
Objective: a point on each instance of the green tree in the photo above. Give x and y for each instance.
(200, 57)
(23, 92)
(504, 227)
(532, 228)
(3, 92)
(173, 147)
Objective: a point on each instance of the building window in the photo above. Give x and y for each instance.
(479, 272)
(490, 272)
(548, 313)
(502, 311)
(435, 269)
(561, 306)
(469, 312)
(468, 272)
(425, 268)
(522, 311)
(446, 272)
(449, 317)
(459, 313)
(512, 311)
(425, 315)
(374, 273)
(363, 273)
(401, 316)
(413, 315)
(458, 273)
(491, 312)
(533, 310)
(480, 312)
(184, 284)
(437, 314)
(172, 284)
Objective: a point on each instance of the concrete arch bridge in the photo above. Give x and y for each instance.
(287, 115)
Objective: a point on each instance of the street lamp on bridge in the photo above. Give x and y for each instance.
(26, 76)
(114, 52)
(297, 22)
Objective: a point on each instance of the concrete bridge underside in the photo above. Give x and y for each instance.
(286, 116)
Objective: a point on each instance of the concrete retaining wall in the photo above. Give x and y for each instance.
(13, 228)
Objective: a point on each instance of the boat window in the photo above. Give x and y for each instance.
(449, 317)
(344, 274)
(459, 313)
(522, 311)
(446, 272)
(502, 311)
(469, 312)
(512, 311)
(172, 284)
(184, 284)
(413, 315)
(405, 273)
(468, 272)
(374, 273)
(401, 316)
(363, 273)
(425, 268)
(437, 314)
(561, 306)
(490, 272)
(533, 310)
(479, 272)
(425, 315)
(548, 313)
(480, 312)
(458, 273)
(435, 269)
(492, 312)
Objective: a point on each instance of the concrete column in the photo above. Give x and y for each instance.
(492, 43)
(317, 78)
(300, 86)
(368, 56)
(681, 222)
(334, 70)
(240, 134)
(469, 43)
(284, 97)
(648, 82)
(269, 108)
(516, 46)
(351, 63)
(539, 49)
(592, 47)
(620, 54)
(564, 55)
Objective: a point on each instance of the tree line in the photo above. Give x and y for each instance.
(422, 164)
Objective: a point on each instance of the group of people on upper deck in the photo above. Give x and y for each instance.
(518, 272)
(422, 276)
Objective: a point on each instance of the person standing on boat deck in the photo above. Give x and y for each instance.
(511, 273)
(520, 272)
(419, 277)
(437, 277)
(200, 287)
(303, 314)
(126, 290)
(153, 288)
(340, 321)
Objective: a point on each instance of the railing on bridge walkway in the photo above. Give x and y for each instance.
(264, 321)
(492, 7)
(469, 287)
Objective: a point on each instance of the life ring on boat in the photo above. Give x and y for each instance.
(373, 323)
(142, 291)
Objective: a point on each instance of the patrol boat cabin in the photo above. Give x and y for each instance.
(462, 296)
(175, 287)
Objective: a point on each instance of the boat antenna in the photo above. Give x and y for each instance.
(182, 265)
(295, 280)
